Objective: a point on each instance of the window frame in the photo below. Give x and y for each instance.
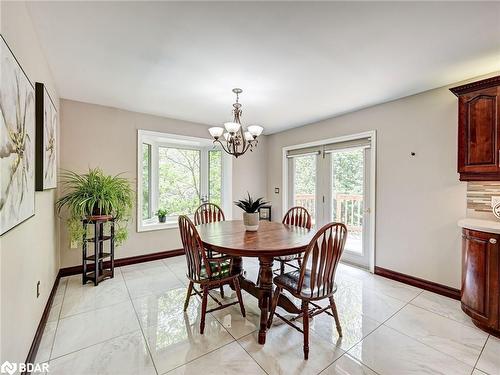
(157, 140)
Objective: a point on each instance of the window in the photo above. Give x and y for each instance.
(177, 174)
(215, 176)
(146, 181)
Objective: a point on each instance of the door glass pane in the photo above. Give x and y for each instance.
(178, 180)
(146, 181)
(347, 195)
(304, 184)
(215, 176)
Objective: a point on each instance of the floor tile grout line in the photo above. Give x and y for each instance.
(197, 358)
(428, 346)
(94, 309)
(480, 354)
(447, 317)
(58, 319)
(97, 343)
(382, 324)
(140, 327)
(423, 343)
(444, 316)
(249, 354)
(194, 359)
(350, 356)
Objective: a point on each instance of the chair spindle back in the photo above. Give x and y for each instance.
(299, 217)
(208, 213)
(323, 254)
(193, 248)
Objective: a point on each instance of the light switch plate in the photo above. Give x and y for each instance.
(494, 201)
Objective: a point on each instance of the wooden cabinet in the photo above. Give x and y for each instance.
(479, 130)
(481, 279)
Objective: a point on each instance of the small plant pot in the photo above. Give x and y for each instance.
(162, 219)
(251, 221)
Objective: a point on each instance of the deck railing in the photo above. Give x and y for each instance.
(348, 208)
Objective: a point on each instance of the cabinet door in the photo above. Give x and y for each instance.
(479, 133)
(480, 276)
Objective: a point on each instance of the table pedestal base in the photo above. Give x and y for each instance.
(263, 292)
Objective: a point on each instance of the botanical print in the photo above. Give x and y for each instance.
(17, 147)
(49, 142)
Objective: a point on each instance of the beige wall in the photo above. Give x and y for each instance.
(29, 251)
(95, 135)
(418, 199)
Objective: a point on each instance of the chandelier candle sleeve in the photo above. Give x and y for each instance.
(236, 139)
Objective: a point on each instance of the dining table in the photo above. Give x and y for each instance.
(269, 241)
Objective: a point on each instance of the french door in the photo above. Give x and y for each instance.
(333, 183)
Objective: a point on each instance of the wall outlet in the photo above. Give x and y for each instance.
(494, 201)
(38, 289)
(276, 190)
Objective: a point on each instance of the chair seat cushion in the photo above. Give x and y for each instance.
(225, 270)
(290, 282)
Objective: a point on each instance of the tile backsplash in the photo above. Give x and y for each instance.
(479, 195)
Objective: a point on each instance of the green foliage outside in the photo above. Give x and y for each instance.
(179, 180)
(215, 177)
(146, 160)
(348, 172)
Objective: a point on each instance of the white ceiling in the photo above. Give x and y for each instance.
(296, 62)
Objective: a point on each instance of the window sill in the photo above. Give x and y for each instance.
(148, 227)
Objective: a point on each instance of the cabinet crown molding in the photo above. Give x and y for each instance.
(478, 85)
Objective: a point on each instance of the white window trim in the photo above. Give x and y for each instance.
(373, 163)
(186, 142)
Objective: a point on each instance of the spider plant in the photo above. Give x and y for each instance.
(95, 193)
(249, 205)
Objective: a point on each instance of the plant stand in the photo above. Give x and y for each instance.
(95, 268)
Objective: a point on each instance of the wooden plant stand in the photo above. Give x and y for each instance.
(95, 268)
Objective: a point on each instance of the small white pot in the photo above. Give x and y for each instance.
(251, 221)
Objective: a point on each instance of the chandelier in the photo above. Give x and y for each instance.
(235, 139)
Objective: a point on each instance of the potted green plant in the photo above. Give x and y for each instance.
(251, 211)
(162, 215)
(95, 194)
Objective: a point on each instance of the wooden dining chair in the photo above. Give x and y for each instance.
(300, 217)
(208, 213)
(208, 273)
(314, 281)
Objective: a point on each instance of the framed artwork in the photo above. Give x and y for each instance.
(17, 142)
(46, 142)
(265, 212)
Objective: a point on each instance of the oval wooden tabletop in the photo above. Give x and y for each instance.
(271, 239)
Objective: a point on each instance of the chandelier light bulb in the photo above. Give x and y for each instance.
(248, 136)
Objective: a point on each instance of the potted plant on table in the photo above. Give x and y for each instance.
(162, 215)
(251, 211)
(95, 194)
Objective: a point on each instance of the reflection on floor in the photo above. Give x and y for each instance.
(134, 324)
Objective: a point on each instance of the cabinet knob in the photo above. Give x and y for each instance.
(493, 241)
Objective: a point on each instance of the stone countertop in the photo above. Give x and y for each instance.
(489, 226)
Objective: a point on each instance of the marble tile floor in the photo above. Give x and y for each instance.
(134, 324)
